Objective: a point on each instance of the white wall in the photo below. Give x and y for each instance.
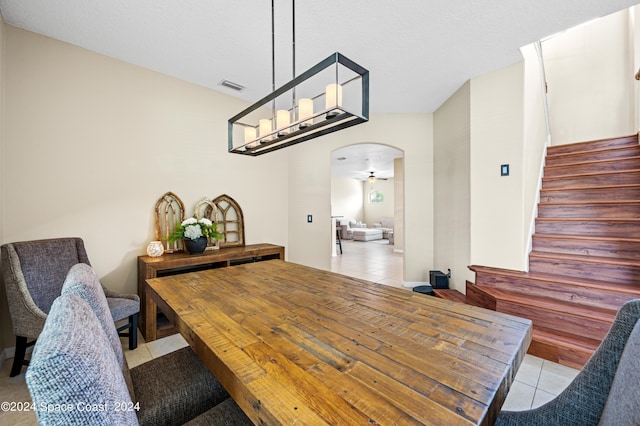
(497, 202)
(374, 212)
(398, 208)
(535, 140)
(590, 71)
(451, 201)
(310, 186)
(90, 143)
(635, 29)
(346, 198)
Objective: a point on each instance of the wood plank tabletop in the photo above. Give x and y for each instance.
(298, 345)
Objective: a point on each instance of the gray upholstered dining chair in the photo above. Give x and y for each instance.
(78, 362)
(605, 392)
(33, 273)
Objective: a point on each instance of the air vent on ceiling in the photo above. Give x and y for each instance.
(231, 85)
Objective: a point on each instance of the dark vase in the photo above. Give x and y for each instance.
(195, 246)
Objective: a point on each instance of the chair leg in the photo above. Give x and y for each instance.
(18, 358)
(133, 332)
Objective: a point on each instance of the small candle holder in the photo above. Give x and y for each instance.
(155, 249)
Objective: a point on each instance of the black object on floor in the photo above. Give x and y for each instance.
(424, 289)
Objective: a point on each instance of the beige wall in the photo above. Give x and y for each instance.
(497, 202)
(90, 143)
(309, 189)
(398, 208)
(346, 198)
(374, 212)
(590, 73)
(451, 172)
(535, 140)
(350, 198)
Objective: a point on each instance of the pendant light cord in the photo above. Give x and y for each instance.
(293, 50)
(273, 56)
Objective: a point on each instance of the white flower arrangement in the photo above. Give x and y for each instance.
(193, 229)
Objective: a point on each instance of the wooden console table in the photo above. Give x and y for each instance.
(178, 263)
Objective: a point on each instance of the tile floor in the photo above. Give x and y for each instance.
(536, 382)
(369, 261)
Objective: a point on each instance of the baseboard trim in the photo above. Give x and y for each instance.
(11, 352)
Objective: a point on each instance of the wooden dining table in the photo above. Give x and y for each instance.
(297, 345)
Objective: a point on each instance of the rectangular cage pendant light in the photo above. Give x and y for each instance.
(330, 96)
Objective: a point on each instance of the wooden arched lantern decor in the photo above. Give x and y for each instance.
(169, 211)
(205, 208)
(228, 216)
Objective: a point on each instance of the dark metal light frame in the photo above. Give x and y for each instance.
(323, 122)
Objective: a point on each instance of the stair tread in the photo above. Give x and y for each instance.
(596, 187)
(625, 141)
(587, 219)
(587, 175)
(587, 238)
(605, 160)
(555, 278)
(600, 314)
(600, 150)
(618, 261)
(588, 203)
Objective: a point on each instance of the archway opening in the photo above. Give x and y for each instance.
(367, 207)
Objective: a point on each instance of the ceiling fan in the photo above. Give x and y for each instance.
(372, 178)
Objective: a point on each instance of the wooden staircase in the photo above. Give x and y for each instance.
(585, 261)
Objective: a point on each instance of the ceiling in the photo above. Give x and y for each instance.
(418, 52)
(358, 161)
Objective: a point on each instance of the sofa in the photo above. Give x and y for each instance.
(386, 225)
(367, 234)
(347, 225)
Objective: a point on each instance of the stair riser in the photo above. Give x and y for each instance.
(581, 157)
(584, 296)
(587, 195)
(586, 181)
(604, 167)
(613, 211)
(564, 356)
(561, 321)
(620, 229)
(623, 275)
(611, 248)
(593, 145)
(477, 297)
